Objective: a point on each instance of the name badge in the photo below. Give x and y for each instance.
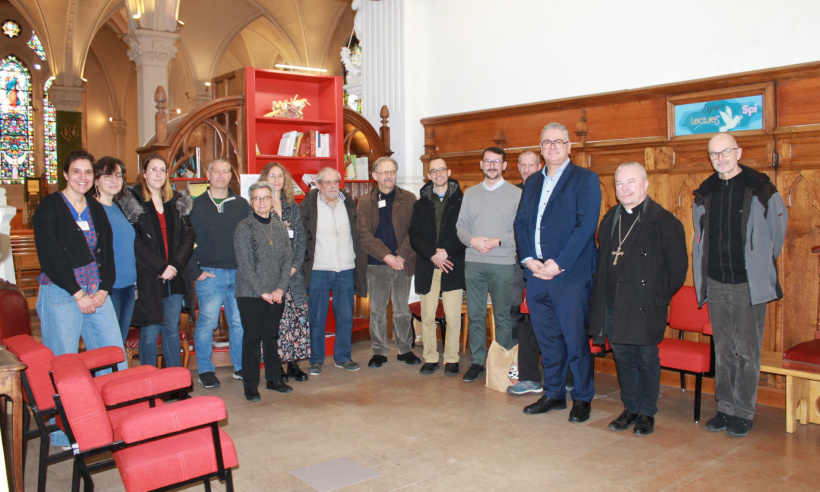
(83, 225)
(290, 233)
(382, 203)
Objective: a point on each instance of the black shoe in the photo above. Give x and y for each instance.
(644, 426)
(278, 386)
(284, 377)
(545, 404)
(252, 394)
(623, 422)
(580, 411)
(738, 427)
(473, 373)
(377, 361)
(296, 373)
(409, 358)
(451, 369)
(429, 368)
(718, 423)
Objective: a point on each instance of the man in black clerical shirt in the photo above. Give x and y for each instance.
(642, 262)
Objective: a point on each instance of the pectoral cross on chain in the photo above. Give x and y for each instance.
(617, 254)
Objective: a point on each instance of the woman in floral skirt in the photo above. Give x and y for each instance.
(294, 330)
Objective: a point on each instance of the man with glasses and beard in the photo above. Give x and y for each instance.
(485, 226)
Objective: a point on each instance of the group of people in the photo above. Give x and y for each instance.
(499, 239)
(273, 264)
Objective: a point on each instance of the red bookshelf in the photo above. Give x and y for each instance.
(323, 114)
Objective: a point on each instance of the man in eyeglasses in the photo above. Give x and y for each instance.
(384, 218)
(485, 227)
(555, 230)
(439, 263)
(740, 225)
(214, 217)
(334, 262)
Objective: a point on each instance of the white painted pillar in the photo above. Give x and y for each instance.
(152, 51)
(388, 77)
(6, 260)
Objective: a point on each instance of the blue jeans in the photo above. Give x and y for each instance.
(62, 324)
(171, 307)
(321, 284)
(123, 300)
(213, 293)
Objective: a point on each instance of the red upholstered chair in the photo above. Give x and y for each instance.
(415, 310)
(38, 392)
(14, 320)
(688, 356)
(162, 446)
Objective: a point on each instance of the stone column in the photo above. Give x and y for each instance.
(152, 51)
(386, 79)
(6, 260)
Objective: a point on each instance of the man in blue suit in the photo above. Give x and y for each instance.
(555, 232)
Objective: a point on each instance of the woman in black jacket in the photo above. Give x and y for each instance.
(164, 244)
(76, 253)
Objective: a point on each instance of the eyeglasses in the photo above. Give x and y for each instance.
(112, 177)
(440, 170)
(724, 153)
(559, 144)
(494, 162)
(276, 176)
(156, 170)
(331, 182)
(386, 173)
(261, 199)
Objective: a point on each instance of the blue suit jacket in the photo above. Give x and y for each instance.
(568, 225)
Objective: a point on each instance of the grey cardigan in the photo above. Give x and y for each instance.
(261, 267)
(291, 214)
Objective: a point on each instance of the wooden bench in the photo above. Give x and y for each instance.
(802, 390)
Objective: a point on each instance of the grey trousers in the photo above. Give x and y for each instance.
(479, 279)
(738, 332)
(384, 284)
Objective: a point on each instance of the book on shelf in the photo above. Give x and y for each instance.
(362, 168)
(310, 144)
(309, 180)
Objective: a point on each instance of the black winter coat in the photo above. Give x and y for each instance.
(423, 239)
(651, 274)
(149, 249)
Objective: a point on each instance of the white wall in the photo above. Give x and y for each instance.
(483, 54)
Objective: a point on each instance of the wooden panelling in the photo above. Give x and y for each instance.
(609, 129)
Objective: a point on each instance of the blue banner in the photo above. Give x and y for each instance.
(726, 115)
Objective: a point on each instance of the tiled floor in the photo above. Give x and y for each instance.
(438, 433)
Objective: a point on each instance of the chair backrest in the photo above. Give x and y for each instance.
(684, 314)
(14, 320)
(37, 357)
(82, 403)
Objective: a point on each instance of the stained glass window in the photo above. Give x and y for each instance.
(50, 134)
(35, 44)
(11, 28)
(16, 125)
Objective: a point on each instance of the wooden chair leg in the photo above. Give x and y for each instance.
(186, 353)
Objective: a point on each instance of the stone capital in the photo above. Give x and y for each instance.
(66, 98)
(152, 48)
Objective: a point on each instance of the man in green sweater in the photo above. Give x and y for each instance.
(485, 226)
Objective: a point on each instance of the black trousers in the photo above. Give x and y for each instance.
(639, 372)
(260, 322)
